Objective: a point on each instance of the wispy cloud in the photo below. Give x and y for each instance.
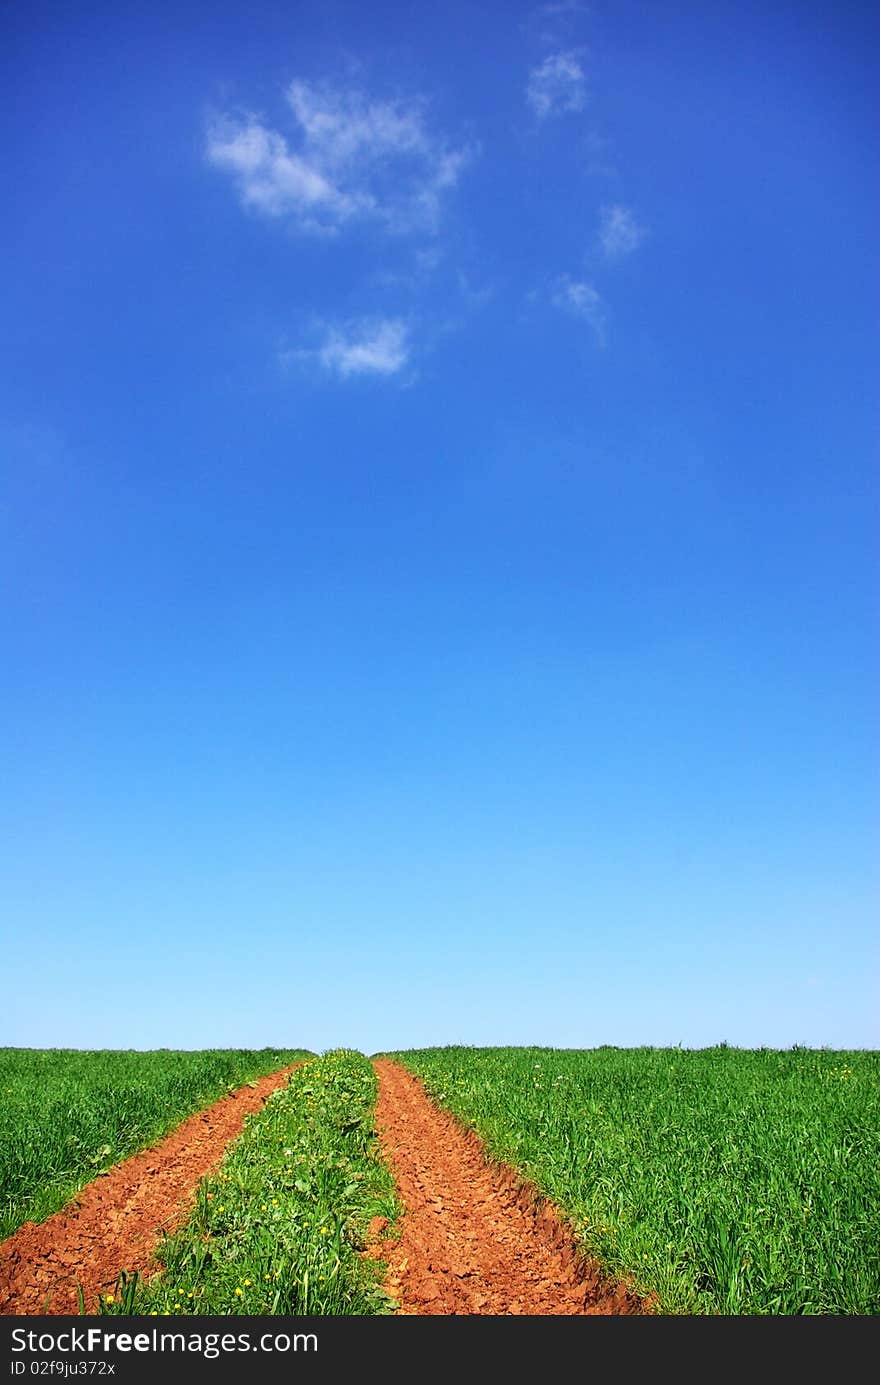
(366, 346)
(619, 232)
(581, 298)
(553, 20)
(271, 178)
(552, 24)
(557, 85)
(347, 158)
(562, 9)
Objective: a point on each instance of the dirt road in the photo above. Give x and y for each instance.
(473, 1240)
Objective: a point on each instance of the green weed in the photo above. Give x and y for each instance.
(282, 1226)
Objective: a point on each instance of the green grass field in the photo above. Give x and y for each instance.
(723, 1180)
(279, 1227)
(720, 1180)
(67, 1114)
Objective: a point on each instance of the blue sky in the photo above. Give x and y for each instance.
(438, 516)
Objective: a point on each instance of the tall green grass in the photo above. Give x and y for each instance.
(281, 1226)
(722, 1180)
(67, 1114)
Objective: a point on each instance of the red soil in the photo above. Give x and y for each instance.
(474, 1239)
(115, 1223)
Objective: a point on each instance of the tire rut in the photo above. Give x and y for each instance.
(115, 1222)
(474, 1238)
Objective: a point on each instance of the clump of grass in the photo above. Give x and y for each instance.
(723, 1180)
(67, 1114)
(281, 1226)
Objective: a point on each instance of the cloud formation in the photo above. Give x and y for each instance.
(348, 159)
(581, 298)
(557, 9)
(619, 232)
(557, 85)
(366, 346)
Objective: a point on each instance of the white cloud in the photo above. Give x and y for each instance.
(558, 85)
(578, 297)
(619, 232)
(348, 158)
(271, 178)
(368, 346)
(551, 23)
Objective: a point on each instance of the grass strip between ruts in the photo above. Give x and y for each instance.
(281, 1227)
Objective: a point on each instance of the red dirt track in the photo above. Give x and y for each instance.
(115, 1222)
(474, 1239)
